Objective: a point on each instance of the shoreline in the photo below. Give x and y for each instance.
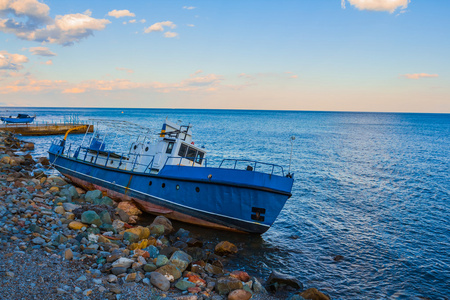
(61, 242)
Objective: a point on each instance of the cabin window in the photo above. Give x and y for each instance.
(182, 151)
(197, 189)
(146, 149)
(150, 183)
(163, 185)
(177, 187)
(170, 148)
(134, 147)
(191, 153)
(199, 157)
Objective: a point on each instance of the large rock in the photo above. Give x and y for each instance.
(129, 208)
(225, 285)
(239, 295)
(160, 220)
(279, 280)
(92, 195)
(225, 248)
(184, 284)
(70, 193)
(104, 201)
(171, 272)
(105, 217)
(159, 281)
(91, 217)
(181, 260)
(140, 231)
(314, 294)
(123, 262)
(75, 225)
(70, 206)
(57, 180)
(241, 275)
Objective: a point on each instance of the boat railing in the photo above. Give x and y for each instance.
(110, 159)
(251, 165)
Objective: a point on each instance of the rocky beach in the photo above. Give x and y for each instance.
(58, 241)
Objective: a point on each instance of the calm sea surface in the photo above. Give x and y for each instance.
(372, 187)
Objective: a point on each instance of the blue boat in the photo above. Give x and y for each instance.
(20, 119)
(170, 176)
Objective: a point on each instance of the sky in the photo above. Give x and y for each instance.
(326, 55)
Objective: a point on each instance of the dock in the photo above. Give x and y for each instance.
(34, 129)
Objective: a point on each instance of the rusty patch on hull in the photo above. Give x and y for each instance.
(149, 207)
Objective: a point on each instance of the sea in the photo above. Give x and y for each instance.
(373, 188)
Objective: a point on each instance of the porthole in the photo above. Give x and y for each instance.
(177, 187)
(146, 149)
(163, 185)
(134, 147)
(150, 183)
(197, 189)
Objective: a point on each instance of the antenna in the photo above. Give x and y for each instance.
(290, 159)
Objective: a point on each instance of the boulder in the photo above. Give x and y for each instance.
(279, 280)
(156, 229)
(181, 260)
(152, 251)
(159, 281)
(241, 275)
(43, 161)
(129, 208)
(225, 248)
(314, 294)
(92, 195)
(123, 262)
(160, 220)
(239, 295)
(171, 272)
(130, 236)
(225, 285)
(70, 206)
(75, 225)
(105, 217)
(104, 201)
(161, 260)
(215, 270)
(140, 231)
(183, 284)
(91, 217)
(70, 193)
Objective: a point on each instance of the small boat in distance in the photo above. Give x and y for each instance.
(21, 118)
(171, 176)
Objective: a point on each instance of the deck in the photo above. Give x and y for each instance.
(34, 129)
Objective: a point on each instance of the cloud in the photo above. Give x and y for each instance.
(420, 75)
(160, 26)
(170, 34)
(190, 25)
(377, 5)
(121, 13)
(29, 20)
(188, 7)
(143, 21)
(10, 61)
(29, 84)
(41, 51)
(132, 21)
(126, 70)
(48, 62)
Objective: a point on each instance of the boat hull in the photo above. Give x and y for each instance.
(17, 120)
(216, 204)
